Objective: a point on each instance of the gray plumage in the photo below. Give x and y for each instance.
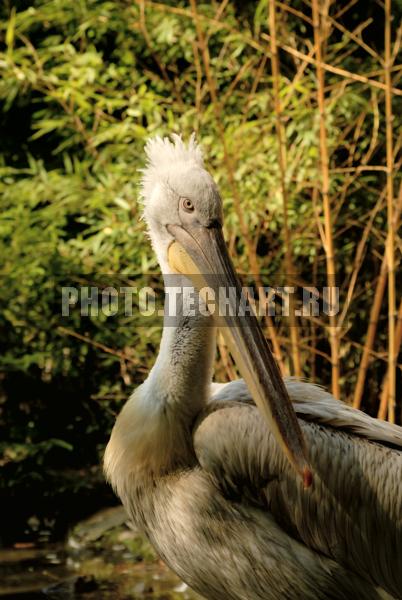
(236, 522)
(203, 475)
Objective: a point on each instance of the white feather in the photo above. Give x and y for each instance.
(164, 154)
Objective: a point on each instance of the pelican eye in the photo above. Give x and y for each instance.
(187, 205)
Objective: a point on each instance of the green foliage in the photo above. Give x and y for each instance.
(83, 84)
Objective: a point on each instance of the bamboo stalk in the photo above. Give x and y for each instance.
(253, 43)
(375, 311)
(371, 331)
(330, 68)
(390, 213)
(294, 336)
(251, 255)
(313, 327)
(325, 186)
(382, 411)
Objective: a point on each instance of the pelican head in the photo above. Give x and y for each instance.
(183, 211)
(177, 192)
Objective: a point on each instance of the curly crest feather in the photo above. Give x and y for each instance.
(163, 154)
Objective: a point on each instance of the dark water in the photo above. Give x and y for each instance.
(96, 562)
(51, 573)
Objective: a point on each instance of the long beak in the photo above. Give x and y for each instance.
(200, 252)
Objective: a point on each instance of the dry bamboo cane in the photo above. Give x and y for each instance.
(328, 245)
(375, 312)
(256, 45)
(390, 211)
(382, 412)
(294, 336)
(326, 67)
(230, 170)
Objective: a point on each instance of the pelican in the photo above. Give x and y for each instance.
(243, 499)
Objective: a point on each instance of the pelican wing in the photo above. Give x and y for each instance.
(352, 513)
(313, 403)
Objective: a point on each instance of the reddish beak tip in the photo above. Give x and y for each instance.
(307, 477)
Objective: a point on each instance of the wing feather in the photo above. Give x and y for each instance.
(314, 403)
(353, 512)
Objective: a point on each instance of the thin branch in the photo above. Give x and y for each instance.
(359, 259)
(357, 38)
(107, 349)
(359, 169)
(345, 9)
(295, 12)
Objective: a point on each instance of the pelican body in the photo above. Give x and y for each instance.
(260, 488)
